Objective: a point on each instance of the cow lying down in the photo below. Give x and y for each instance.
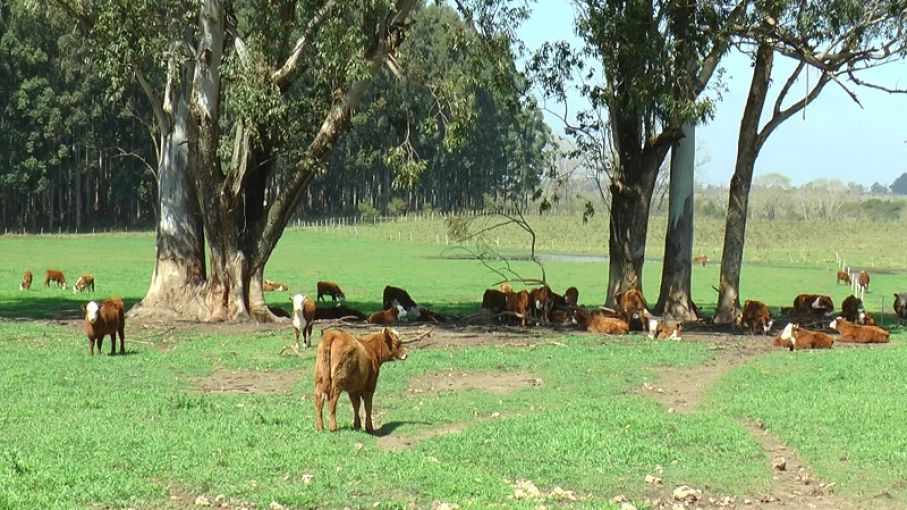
(796, 338)
(851, 332)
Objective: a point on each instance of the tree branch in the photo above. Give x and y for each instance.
(282, 76)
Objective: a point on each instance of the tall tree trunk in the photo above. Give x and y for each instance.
(748, 145)
(675, 301)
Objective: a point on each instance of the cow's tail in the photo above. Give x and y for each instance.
(324, 351)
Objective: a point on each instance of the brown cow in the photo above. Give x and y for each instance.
(869, 320)
(859, 334)
(863, 281)
(338, 312)
(542, 302)
(701, 259)
(755, 315)
(852, 309)
(843, 276)
(26, 281)
(85, 282)
(571, 296)
(107, 318)
(272, 286)
(345, 363)
(814, 305)
(330, 289)
(505, 288)
(598, 323)
(303, 319)
(494, 301)
(518, 304)
(664, 330)
(632, 306)
(56, 276)
(796, 338)
(389, 316)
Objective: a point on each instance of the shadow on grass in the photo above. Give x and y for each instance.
(388, 428)
(34, 306)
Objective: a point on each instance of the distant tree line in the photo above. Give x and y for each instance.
(72, 157)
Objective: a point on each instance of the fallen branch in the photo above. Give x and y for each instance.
(140, 342)
(418, 337)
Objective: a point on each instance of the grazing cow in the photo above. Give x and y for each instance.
(755, 315)
(701, 259)
(494, 301)
(107, 318)
(56, 276)
(345, 363)
(571, 296)
(338, 312)
(505, 288)
(541, 302)
(796, 339)
(900, 305)
(843, 276)
(85, 282)
(631, 305)
(859, 334)
(852, 309)
(26, 281)
(863, 281)
(396, 296)
(814, 305)
(303, 319)
(598, 323)
(518, 304)
(272, 286)
(330, 289)
(389, 316)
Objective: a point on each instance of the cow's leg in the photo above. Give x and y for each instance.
(367, 396)
(355, 399)
(90, 346)
(113, 343)
(296, 343)
(319, 406)
(122, 340)
(332, 409)
(100, 343)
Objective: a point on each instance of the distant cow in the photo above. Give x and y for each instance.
(107, 318)
(701, 259)
(859, 334)
(345, 363)
(852, 309)
(814, 305)
(541, 302)
(85, 282)
(386, 317)
(632, 306)
(571, 296)
(755, 315)
(338, 312)
(518, 304)
(303, 319)
(843, 276)
(56, 276)
(900, 305)
(863, 281)
(330, 289)
(26, 281)
(272, 286)
(396, 295)
(598, 323)
(796, 338)
(494, 301)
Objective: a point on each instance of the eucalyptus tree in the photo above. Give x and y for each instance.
(646, 63)
(836, 40)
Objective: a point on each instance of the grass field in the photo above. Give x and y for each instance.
(154, 430)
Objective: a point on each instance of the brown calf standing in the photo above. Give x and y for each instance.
(330, 289)
(303, 319)
(385, 317)
(26, 281)
(701, 259)
(345, 363)
(85, 282)
(796, 338)
(541, 302)
(632, 306)
(518, 304)
(863, 281)
(843, 276)
(755, 315)
(56, 276)
(107, 318)
(598, 323)
(859, 334)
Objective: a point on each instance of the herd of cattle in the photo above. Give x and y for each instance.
(345, 363)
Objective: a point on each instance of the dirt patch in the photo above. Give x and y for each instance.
(497, 383)
(248, 381)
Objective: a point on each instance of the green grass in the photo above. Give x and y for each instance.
(80, 432)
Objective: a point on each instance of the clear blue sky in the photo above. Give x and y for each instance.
(837, 140)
